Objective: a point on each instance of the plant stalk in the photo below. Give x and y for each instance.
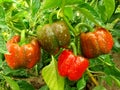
(92, 78)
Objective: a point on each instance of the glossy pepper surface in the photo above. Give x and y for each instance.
(53, 36)
(24, 56)
(96, 43)
(71, 66)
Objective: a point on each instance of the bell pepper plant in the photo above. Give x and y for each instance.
(22, 56)
(72, 66)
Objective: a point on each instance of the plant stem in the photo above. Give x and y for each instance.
(92, 78)
(13, 28)
(19, 31)
(78, 45)
(74, 48)
(92, 2)
(51, 17)
(22, 36)
(36, 70)
(108, 64)
(70, 26)
(77, 27)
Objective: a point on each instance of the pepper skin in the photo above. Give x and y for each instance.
(24, 56)
(71, 66)
(96, 43)
(53, 36)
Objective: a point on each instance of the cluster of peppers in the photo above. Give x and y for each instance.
(51, 38)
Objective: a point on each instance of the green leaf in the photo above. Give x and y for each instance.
(2, 13)
(102, 12)
(115, 80)
(51, 4)
(81, 84)
(99, 88)
(106, 59)
(108, 80)
(5, 1)
(68, 12)
(12, 83)
(24, 85)
(2, 18)
(90, 13)
(35, 6)
(51, 76)
(16, 73)
(3, 48)
(45, 87)
(71, 2)
(110, 7)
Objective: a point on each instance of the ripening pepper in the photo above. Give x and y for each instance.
(96, 43)
(71, 66)
(24, 56)
(53, 36)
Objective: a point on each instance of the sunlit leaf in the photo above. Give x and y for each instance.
(70, 2)
(2, 18)
(90, 13)
(110, 7)
(68, 12)
(35, 6)
(50, 4)
(51, 76)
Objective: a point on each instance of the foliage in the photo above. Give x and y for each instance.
(28, 15)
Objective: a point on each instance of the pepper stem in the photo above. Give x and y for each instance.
(77, 27)
(22, 38)
(74, 48)
(70, 26)
(92, 78)
(51, 17)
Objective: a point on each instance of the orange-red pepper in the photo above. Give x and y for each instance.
(96, 43)
(24, 56)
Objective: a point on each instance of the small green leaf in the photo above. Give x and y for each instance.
(90, 13)
(51, 76)
(2, 13)
(3, 48)
(35, 6)
(99, 88)
(115, 80)
(110, 7)
(2, 18)
(24, 85)
(102, 12)
(71, 2)
(45, 87)
(68, 12)
(51, 4)
(12, 83)
(108, 80)
(5, 1)
(81, 84)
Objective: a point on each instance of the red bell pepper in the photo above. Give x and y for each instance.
(71, 66)
(24, 56)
